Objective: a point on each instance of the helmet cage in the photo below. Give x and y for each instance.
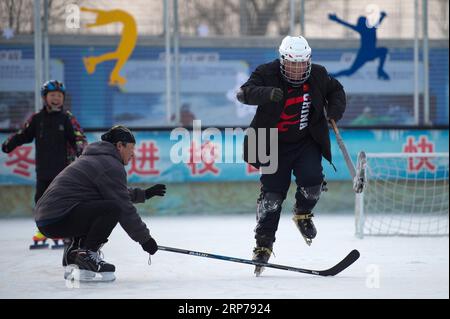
(295, 72)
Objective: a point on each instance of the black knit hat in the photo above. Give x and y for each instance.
(118, 133)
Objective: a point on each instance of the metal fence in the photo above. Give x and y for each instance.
(211, 47)
(236, 18)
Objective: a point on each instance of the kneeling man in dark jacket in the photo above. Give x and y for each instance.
(87, 200)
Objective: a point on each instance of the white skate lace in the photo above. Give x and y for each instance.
(95, 257)
(100, 253)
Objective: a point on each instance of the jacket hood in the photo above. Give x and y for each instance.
(102, 148)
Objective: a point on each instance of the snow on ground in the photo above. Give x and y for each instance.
(389, 267)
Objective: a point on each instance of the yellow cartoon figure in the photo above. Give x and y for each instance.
(125, 47)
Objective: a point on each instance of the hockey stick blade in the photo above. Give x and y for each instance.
(342, 265)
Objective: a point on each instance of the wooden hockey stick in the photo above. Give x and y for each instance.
(357, 177)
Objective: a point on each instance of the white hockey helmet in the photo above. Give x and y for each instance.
(295, 60)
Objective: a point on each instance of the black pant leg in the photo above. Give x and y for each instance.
(41, 186)
(280, 181)
(274, 188)
(308, 174)
(93, 221)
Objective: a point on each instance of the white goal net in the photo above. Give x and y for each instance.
(404, 194)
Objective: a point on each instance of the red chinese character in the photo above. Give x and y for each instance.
(207, 155)
(410, 147)
(251, 170)
(22, 162)
(147, 154)
(423, 146)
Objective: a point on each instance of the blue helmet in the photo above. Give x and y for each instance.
(51, 86)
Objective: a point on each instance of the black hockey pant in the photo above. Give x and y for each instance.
(92, 221)
(305, 161)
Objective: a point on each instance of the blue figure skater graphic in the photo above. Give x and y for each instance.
(368, 50)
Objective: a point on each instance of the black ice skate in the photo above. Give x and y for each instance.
(89, 266)
(71, 245)
(261, 255)
(305, 225)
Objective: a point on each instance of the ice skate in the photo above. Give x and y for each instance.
(88, 266)
(58, 243)
(71, 245)
(305, 225)
(261, 255)
(39, 241)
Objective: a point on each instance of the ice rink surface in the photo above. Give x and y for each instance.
(389, 267)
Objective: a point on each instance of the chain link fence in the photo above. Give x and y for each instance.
(237, 18)
(220, 44)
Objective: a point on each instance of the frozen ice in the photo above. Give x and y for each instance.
(389, 267)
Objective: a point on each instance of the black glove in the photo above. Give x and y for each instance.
(333, 115)
(150, 246)
(157, 190)
(276, 95)
(5, 148)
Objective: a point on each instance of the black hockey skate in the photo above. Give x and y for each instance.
(305, 225)
(89, 266)
(71, 245)
(261, 255)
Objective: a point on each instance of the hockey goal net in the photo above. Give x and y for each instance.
(404, 194)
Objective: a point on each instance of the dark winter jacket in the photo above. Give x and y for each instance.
(98, 174)
(58, 139)
(326, 92)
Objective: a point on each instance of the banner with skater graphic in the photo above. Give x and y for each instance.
(378, 94)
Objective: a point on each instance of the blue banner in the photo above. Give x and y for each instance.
(218, 156)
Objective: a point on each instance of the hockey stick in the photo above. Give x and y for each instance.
(357, 177)
(343, 264)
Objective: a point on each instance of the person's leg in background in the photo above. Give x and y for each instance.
(39, 239)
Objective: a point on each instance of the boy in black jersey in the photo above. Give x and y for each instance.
(291, 94)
